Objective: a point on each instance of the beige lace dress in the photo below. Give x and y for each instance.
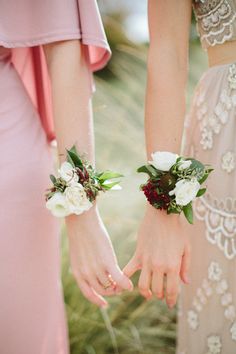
(207, 307)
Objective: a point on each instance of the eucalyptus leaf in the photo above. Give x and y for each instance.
(188, 212)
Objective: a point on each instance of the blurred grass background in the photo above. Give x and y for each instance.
(131, 325)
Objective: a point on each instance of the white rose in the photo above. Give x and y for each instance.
(57, 205)
(67, 172)
(184, 164)
(163, 160)
(185, 191)
(77, 199)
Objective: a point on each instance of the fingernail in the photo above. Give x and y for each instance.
(187, 279)
(171, 306)
(131, 287)
(104, 306)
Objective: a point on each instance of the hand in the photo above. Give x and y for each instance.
(163, 250)
(92, 258)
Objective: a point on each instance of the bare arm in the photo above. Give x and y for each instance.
(169, 23)
(163, 247)
(71, 97)
(91, 252)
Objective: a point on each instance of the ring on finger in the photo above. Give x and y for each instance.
(109, 282)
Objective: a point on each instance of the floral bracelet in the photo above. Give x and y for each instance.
(77, 186)
(174, 182)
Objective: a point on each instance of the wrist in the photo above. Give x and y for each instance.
(85, 217)
(151, 211)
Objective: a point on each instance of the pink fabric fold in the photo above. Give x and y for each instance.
(26, 25)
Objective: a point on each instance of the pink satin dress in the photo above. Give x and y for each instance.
(32, 317)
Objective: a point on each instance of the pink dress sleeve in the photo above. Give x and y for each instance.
(26, 25)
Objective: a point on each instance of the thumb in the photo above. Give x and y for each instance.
(131, 267)
(120, 278)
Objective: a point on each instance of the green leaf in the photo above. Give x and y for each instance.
(178, 160)
(173, 211)
(74, 158)
(196, 164)
(73, 149)
(69, 159)
(203, 179)
(188, 212)
(201, 192)
(150, 170)
(108, 186)
(53, 179)
(108, 175)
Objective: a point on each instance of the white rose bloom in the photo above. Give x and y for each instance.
(184, 164)
(77, 199)
(185, 191)
(57, 205)
(67, 173)
(163, 160)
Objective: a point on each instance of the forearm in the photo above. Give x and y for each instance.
(72, 111)
(165, 102)
(169, 23)
(71, 99)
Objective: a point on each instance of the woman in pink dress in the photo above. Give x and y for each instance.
(47, 53)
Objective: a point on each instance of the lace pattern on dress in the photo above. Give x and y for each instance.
(215, 21)
(220, 220)
(211, 123)
(215, 284)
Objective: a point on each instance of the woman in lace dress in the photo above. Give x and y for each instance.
(207, 313)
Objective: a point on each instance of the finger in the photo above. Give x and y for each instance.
(158, 284)
(172, 288)
(185, 265)
(131, 267)
(104, 280)
(144, 283)
(98, 287)
(91, 294)
(118, 290)
(120, 278)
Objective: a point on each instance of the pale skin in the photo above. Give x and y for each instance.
(163, 248)
(92, 257)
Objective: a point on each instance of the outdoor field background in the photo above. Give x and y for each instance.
(131, 324)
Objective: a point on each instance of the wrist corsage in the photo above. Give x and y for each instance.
(77, 186)
(174, 182)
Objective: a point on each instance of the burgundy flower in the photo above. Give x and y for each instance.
(156, 197)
